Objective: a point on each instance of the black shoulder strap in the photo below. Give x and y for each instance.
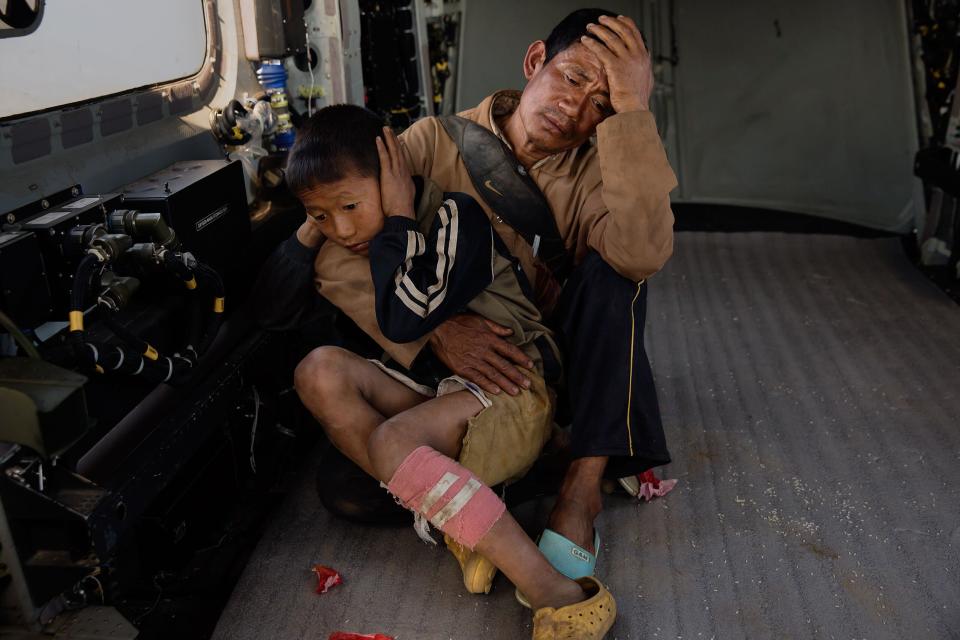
(508, 190)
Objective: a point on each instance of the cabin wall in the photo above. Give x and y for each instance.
(802, 107)
(114, 156)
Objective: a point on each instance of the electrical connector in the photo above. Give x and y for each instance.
(110, 246)
(118, 290)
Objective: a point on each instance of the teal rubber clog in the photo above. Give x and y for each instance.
(566, 556)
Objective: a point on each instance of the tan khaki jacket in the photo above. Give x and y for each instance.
(613, 197)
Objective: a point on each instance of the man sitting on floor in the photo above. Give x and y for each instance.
(611, 209)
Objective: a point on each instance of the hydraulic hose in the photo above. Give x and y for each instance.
(81, 287)
(177, 264)
(121, 359)
(136, 356)
(195, 336)
(142, 347)
(78, 297)
(211, 279)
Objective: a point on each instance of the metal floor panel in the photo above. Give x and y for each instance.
(810, 387)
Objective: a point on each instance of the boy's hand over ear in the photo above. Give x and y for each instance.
(309, 233)
(396, 186)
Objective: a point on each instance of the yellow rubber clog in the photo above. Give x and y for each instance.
(478, 572)
(587, 620)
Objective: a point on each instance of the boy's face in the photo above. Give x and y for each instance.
(347, 211)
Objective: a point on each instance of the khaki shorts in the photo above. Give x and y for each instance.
(505, 439)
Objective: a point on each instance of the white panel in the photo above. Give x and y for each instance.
(85, 49)
(800, 106)
(352, 67)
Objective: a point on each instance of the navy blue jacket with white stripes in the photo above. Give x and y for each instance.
(420, 281)
(423, 271)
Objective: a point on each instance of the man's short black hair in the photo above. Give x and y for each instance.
(571, 28)
(336, 141)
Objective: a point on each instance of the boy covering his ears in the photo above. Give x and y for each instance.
(430, 255)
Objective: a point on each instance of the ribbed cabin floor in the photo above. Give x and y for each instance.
(810, 387)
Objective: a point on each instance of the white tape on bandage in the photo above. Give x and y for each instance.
(437, 492)
(453, 507)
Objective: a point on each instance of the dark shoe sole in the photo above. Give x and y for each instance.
(347, 492)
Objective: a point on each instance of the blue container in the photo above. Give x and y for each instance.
(272, 75)
(273, 78)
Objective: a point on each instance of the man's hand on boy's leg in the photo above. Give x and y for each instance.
(396, 185)
(474, 348)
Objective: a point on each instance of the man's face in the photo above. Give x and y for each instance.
(565, 99)
(347, 211)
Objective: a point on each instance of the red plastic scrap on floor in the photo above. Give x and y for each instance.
(340, 635)
(653, 487)
(326, 578)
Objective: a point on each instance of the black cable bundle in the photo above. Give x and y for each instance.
(212, 280)
(137, 357)
(78, 297)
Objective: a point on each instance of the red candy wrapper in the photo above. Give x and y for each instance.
(326, 578)
(653, 487)
(340, 635)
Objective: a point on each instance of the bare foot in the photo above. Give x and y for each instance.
(579, 502)
(566, 592)
(574, 521)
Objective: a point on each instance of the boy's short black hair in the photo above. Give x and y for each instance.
(570, 29)
(336, 141)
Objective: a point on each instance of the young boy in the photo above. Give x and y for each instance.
(431, 255)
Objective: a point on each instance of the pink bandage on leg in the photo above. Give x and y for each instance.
(449, 496)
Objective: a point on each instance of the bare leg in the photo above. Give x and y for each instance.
(579, 502)
(350, 397)
(440, 424)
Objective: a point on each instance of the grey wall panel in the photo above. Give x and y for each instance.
(30, 140)
(77, 127)
(799, 106)
(107, 163)
(496, 34)
(149, 108)
(116, 116)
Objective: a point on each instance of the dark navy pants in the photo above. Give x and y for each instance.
(609, 384)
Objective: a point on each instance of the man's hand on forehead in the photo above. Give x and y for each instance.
(625, 60)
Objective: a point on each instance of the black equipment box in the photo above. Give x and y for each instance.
(39, 206)
(24, 291)
(205, 202)
(51, 228)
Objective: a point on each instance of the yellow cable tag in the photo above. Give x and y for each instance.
(76, 321)
(191, 283)
(151, 353)
(218, 304)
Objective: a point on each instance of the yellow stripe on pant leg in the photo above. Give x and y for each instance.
(633, 333)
